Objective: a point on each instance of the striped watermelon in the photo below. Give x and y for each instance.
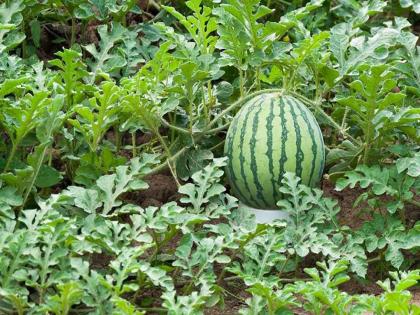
(272, 134)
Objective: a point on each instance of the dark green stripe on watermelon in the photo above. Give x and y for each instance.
(229, 169)
(284, 133)
(321, 140)
(299, 153)
(253, 142)
(250, 198)
(269, 153)
(313, 146)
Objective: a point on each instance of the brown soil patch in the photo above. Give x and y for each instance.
(162, 188)
(349, 215)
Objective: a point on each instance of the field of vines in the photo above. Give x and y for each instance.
(141, 141)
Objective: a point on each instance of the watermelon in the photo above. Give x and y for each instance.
(272, 134)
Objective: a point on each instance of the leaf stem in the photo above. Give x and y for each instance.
(11, 157)
(413, 202)
(377, 258)
(164, 165)
(241, 82)
(284, 265)
(173, 127)
(238, 103)
(34, 175)
(133, 144)
(169, 155)
(154, 4)
(324, 115)
(73, 31)
(249, 238)
(369, 129)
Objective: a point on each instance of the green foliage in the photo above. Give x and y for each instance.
(103, 10)
(378, 112)
(10, 19)
(200, 25)
(415, 5)
(396, 298)
(388, 181)
(321, 294)
(71, 75)
(125, 89)
(310, 216)
(106, 60)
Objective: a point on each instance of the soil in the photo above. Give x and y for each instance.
(349, 215)
(162, 188)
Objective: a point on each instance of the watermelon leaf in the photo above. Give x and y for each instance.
(382, 181)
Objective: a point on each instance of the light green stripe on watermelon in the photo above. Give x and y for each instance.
(306, 144)
(284, 139)
(277, 150)
(243, 183)
(309, 171)
(229, 169)
(235, 156)
(247, 152)
(290, 143)
(270, 151)
(321, 148)
(298, 137)
(262, 147)
(318, 142)
(253, 145)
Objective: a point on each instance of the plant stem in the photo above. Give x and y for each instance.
(168, 154)
(152, 309)
(370, 128)
(117, 139)
(207, 105)
(284, 265)
(73, 31)
(24, 41)
(235, 296)
(164, 165)
(324, 115)
(44, 270)
(187, 289)
(34, 175)
(154, 4)
(241, 82)
(343, 122)
(168, 236)
(240, 102)
(217, 129)
(249, 238)
(6, 310)
(281, 279)
(257, 78)
(173, 127)
(133, 144)
(221, 143)
(10, 158)
(377, 258)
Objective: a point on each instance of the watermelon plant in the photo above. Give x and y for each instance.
(134, 136)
